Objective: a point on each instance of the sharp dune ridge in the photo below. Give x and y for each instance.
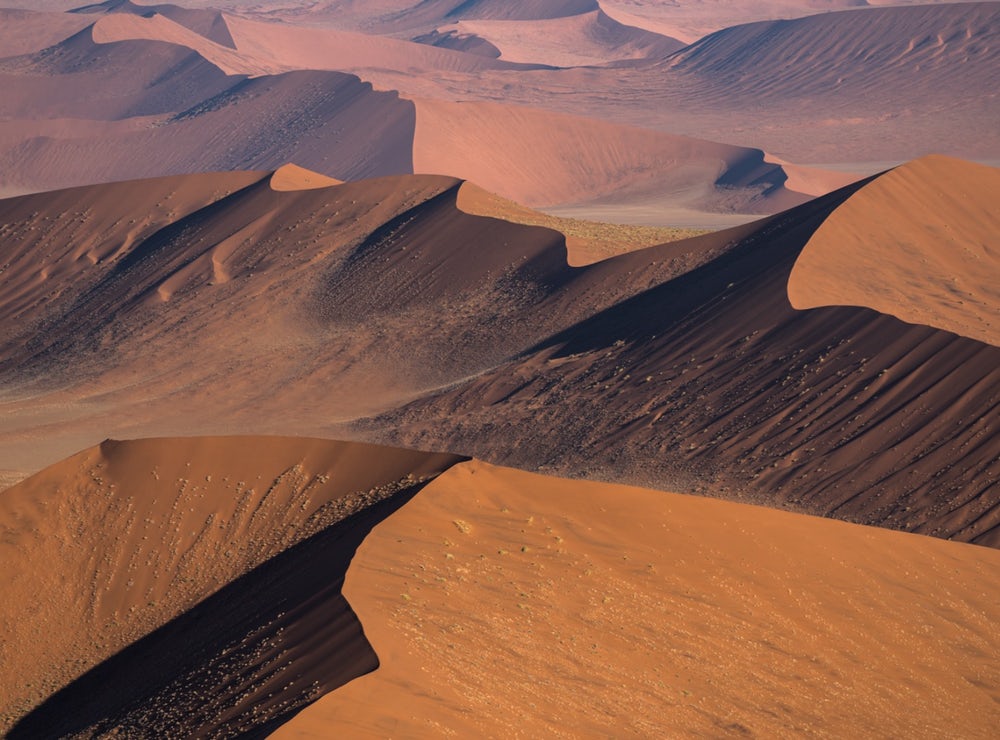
(439, 556)
(194, 118)
(694, 302)
(627, 367)
(218, 560)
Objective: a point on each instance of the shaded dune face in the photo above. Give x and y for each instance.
(713, 382)
(683, 366)
(217, 560)
(504, 602)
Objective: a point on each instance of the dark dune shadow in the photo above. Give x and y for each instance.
(241, 662)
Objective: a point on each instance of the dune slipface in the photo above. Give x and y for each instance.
(713, 382)
(683, 366)
(503, 602)
(191, 585)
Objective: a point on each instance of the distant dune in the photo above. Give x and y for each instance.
(542, 159)
(586, 39)
(869, 85)
(683, 367)
(810, 96)
(82, 111)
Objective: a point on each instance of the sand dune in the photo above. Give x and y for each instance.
(502, 602)
(682, 367)
(541, 159)
(712, 382)
(241, 567)
(290, 47)
(205, 22)
(871, 85)
(937, 229)
(690, 20)
(172, 112)
(217, 313)
(27, 31)
(586, 39)
(175, 113)
(293, 177)
(132, 535)
(870, 47)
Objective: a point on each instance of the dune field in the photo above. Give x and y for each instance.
(532, 368)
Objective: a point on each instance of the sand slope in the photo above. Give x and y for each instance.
(85, 112)
(585, 39)
(27, 31)
(542, 159)
(205, 22)
(493, 602)
(921, 243)
(683, 366)
(132, 535)
(872, 85)
(246, 300)
(505, 603)
(713, 382)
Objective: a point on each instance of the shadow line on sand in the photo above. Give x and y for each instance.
(239, 663)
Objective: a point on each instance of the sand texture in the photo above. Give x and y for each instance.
(683, 366)
(499, 368)
(217, 560)
(921, 243)
(509, 604)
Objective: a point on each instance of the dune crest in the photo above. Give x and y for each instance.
(138, 538)
(505, 603)
(921, 243)
(586, 39)
(291, 177)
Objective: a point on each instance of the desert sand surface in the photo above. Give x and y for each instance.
(312, 588)
(205, 120)
(849, 87)
(716, 382)
(662, 342)
(580, 40)
(217, 560)
(586, 241)
(812, 97)
(937, 226)
(505, 603)
(544, 159)
(682, 366)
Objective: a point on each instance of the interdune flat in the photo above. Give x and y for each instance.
(118, 542)
(586, 241)
(921, 243)
(503, 603)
